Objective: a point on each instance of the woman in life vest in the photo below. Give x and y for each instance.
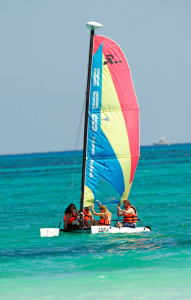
(87, 215)
(71, 214)
(129, 214)
(105, 216)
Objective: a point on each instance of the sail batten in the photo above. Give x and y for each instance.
(113, 110)
(113, 125)
(102, 158)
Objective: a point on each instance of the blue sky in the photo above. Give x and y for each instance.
(44, 56)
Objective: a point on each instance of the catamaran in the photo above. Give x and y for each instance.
(111, 132)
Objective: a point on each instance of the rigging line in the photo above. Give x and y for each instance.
(52, 213)
(115, 157)
(79, 132)
(63, 200)
(75, 153)
(80, 125)
(74, 194)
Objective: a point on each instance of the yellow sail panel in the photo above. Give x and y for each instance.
(89, 197)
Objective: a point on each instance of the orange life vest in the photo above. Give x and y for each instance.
(86, 216)
(131, 218)
(74, 217)
(105, 222)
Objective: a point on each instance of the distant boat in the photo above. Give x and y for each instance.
(161, 142)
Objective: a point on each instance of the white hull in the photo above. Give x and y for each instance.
(161, 144)
(109, 229)
(50, 232)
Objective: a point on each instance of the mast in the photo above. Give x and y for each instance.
(92, 26)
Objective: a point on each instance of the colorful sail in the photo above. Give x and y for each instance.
(113, 124)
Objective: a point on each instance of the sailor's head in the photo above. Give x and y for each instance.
(71, 206)
(87, 208)
(102, 208)
(126, 203)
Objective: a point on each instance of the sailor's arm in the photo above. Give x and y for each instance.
(102, 215)
(91, 216)
(97, 214)
(68, 216)
(126, 212)
(93, 211)
(77, 212)
(119, 213)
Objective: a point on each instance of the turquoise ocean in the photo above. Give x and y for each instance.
(155, 265)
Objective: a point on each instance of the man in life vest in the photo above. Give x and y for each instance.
(129, 214)
(87, 215)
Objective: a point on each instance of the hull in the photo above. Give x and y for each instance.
(109, 229)
(87, 230)
(161, 144)
(50, 232)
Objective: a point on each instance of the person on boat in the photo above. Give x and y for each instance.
(87, 215)
(129, 214)
(105, 216)
(70, 217)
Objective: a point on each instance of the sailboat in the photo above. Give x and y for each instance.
(111, 131)
(161, 142)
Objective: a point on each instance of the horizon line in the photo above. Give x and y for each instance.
(62, 151)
